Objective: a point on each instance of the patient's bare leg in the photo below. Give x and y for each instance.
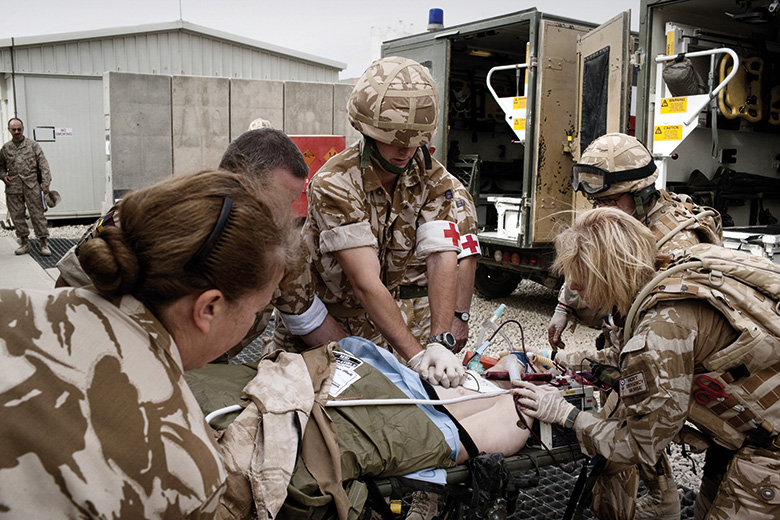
(491, 422)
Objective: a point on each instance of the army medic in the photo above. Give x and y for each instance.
(617, 170)
(698, 343)
(381, 204)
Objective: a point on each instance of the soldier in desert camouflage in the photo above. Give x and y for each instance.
(380, 205)
(617, 170)
(262, 154)
(98, 421)
(608, 258)
(26, 174)
(412, 297)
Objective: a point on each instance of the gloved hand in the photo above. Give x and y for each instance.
(543, 402)
(558, 323)
(438, 365)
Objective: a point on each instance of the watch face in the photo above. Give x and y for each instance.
(464, 316)
(445, 338)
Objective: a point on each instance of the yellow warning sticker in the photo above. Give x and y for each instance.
(519, 123)
(519, 102)
(674, 105)
(309, 157)
(668, 133)
(670, 43)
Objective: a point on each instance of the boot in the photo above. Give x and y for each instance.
(24, 248)
(425, 506)
(659, 504)
(45, 251)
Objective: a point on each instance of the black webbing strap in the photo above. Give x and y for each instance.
(465, 438)
(575, 493)
(377, 500)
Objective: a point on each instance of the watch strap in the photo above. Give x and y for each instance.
(571, 418)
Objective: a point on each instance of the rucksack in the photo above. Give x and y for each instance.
(745, 289)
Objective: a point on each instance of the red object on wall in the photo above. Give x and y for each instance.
(316, 150)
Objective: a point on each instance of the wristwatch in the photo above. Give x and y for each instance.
(445, 338)
(463, 316)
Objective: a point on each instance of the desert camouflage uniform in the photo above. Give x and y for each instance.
(297, 297)
(98, 421)
(673, 342)
(417, 311)
(348, 208)
(668, 211)
(22, 164)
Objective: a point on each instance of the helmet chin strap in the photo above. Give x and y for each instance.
(370, 150)
(644, 198)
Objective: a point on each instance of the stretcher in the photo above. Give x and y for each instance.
(539, 486)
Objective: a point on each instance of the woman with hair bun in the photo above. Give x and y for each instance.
(98, 421)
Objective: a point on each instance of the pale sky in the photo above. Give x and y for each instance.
(338, 30)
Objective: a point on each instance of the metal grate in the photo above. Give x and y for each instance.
(58, 246)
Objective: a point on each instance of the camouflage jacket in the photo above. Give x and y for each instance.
(22, 163)
(349, 208)
(98, 420)
(657, 365)
(467, 226)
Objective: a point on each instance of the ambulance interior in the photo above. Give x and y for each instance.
(480, 143)
(731, 160)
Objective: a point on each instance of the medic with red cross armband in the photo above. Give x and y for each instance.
(382, 205)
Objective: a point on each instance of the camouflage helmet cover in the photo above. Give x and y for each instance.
(618, 152)
(395, 102)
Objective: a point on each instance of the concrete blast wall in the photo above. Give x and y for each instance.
(201, 122)
(157, 126)
(138, 126)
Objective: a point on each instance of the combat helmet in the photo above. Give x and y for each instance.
(395, 102)
(613, 164)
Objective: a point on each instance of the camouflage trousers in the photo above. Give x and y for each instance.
(16, 203)
(750, 488)
(615, 491)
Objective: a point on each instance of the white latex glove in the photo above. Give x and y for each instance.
(543, 402)
(558, 323)
(438, 365)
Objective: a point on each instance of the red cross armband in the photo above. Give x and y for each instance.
(469, 246)
(436, 237)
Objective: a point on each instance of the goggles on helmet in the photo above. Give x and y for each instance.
(592, 179)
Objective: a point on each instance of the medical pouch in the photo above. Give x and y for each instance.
(745, 289)
(751, 487)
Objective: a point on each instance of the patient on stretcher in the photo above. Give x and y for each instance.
(291, 408)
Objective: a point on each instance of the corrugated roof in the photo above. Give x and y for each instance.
(179, 25)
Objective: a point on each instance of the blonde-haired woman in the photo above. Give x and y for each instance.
(98, 421)
(680, 360)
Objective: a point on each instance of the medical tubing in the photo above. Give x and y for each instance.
(372, 402)
(223, 411)
(434, 402)
(628, 329)
(684, 225)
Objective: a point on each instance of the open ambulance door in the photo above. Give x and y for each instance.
(436, 56)
(547, 186)
(604, 76)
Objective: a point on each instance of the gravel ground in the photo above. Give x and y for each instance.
(531, 305)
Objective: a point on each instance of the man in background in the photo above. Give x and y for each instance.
(27, 178)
